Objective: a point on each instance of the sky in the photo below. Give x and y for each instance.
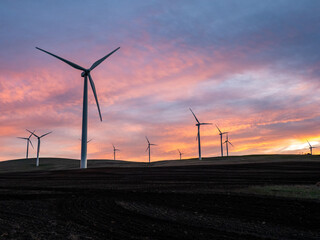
(251, 67)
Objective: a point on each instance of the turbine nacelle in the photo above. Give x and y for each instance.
(199, 124)
(220, 133)
(223, 133)
(85, 73)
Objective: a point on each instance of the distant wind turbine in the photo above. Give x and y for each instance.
(198, 124)
(180, 153)
(38, 148)
(149, 144)
(228, 142)
(310, 147)
(114, 152)
(221, 144)
(28, 141)
(85, 74)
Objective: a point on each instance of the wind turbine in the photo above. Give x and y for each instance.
(85, 74)
(221, 144)
(38, 148)
(28, 140)
(228, 142)
(310, 147)
(180, 153)
(114, 152)
(149, 144)
(198, 124)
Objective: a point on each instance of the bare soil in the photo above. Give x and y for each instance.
(192, 201)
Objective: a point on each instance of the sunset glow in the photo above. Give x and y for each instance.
(251, 67)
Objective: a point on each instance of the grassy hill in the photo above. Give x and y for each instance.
(48, 164)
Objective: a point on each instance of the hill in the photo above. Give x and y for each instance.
(50, 164)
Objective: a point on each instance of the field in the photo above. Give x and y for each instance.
(247, 197)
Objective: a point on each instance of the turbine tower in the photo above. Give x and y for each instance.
(228, 142)
(38, 148)
(28, 140)
(180, 153)
(114, 152)
(87, 141)
(310, 147)
(85, 74)
(149, 144)
(221, 144)
(198, 124)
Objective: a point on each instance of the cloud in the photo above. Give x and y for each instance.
(251, 67)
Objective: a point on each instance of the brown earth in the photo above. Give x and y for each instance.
(185, 201)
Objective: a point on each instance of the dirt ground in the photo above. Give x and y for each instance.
(168, 202)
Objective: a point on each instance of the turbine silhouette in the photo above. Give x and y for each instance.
(114, 152)
(85, 74)
(198, 124)
(180, 153)
(149, 144)
(310, 147)
(38, 148)
(228, 142)
(221, 144)
(28, 141)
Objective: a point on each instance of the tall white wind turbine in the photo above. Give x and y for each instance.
(310, 147)
(38, 148)
(114, 152)
(149, 148)
(180, 153)
(221, 144)
(227, 142)
(198, 124)
(85, 74)
(28, 141)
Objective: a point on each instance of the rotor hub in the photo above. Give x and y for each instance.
(85, 73)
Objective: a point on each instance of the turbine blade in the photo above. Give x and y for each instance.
(95, 95)
(147, 148)
(179, 151)
(308, 143)
(89, 141)
(194, 116)
(64, 60)
(205, 123)
(32, 133)
(218, 129)
(30, 143)
(45, 134)
(231, 144)
(23, 138)
(147, 140)
(154, 144)
(102, 59)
